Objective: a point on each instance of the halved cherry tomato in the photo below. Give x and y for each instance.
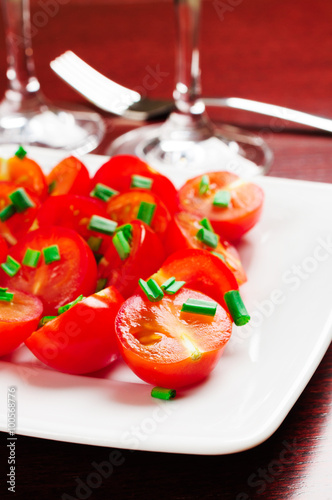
(82, 339)
(167, 347)
(3, 249)
(19, 223)
(18, 319)
(181, 233)
(238, 217)
(146, 256)
(70, 176)
(60, 281)
(24, 172)
(123, 208)
(118, 171)
(201, 271)
(73, 211)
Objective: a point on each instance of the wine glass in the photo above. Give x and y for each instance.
(26, 116)
(188, 143)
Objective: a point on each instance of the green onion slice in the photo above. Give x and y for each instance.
(102, 225)
(205, 307)
(51, 187)
(65, 308)
(161, 393)
(21, 153)
(51, 254)
(95, 243)
(11, 266)
(7, 212)
(222, 198)
(6, 296)
(205, 236)
(219, 255)
(167, 283)
(103, 192)
(31, 257)
(236, 307)
(151, 289)
(21, 200)
(127, 230)
(138, 181)
(146, 212)
(207, 224)
(45, 320)
(121, 245)
(204, 185)
(174, 288)
(101, 284)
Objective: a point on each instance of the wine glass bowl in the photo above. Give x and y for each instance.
(26, 116)
(188, 141)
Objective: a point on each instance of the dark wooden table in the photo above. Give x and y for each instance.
(276, 51)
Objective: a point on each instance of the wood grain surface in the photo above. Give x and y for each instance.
(271, 50)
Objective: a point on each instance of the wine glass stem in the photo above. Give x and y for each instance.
(23, 85)
(188, 87)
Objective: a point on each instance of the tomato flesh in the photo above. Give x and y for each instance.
(19, 318)
(82, 339)
(146, 256)
(123, 208)
(61, 281)
(238, 217)
(169, 348)
(181, 233)
(118, 171)
(24, 172)
(70, 176)
(201, 271)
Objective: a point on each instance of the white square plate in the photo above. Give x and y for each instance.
(265, 367)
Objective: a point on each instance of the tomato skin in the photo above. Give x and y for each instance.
(201, 270)
(238, 218)
(181, 234)
(146, 256)
(123, 208)
(74, 212)
(82, 339)
(18, 224)
(24, 172)
(18, 319)
(70, 176)
(3, 249)
(116, 173)
(167, 348)
(61, 281)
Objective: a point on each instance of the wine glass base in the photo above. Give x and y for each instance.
(227, 148)
(76, 130)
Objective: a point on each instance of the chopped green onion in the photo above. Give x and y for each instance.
(21, 199)
(101, 284)
(236, 307)
(205, 236)
(21, 153)
(6, 296)
(138, 181)
(207, 224)
(31, 258)
(217, 254)
(175, 287)
(204, 185)
(95, 243)
(161, 393)
(146, 212)
(11, 266)
(102, 225)
(103, 192)
(121, 245)
(45, 320)
(51, 254)
(151, 289)
(51, 187)
(222, 198)
(208, 308)
(7, 212)
(65, 308)
(127, 230)
(167, 283)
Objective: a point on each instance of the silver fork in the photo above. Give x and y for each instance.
(114, 98)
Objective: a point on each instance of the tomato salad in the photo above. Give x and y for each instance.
(122, 264)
